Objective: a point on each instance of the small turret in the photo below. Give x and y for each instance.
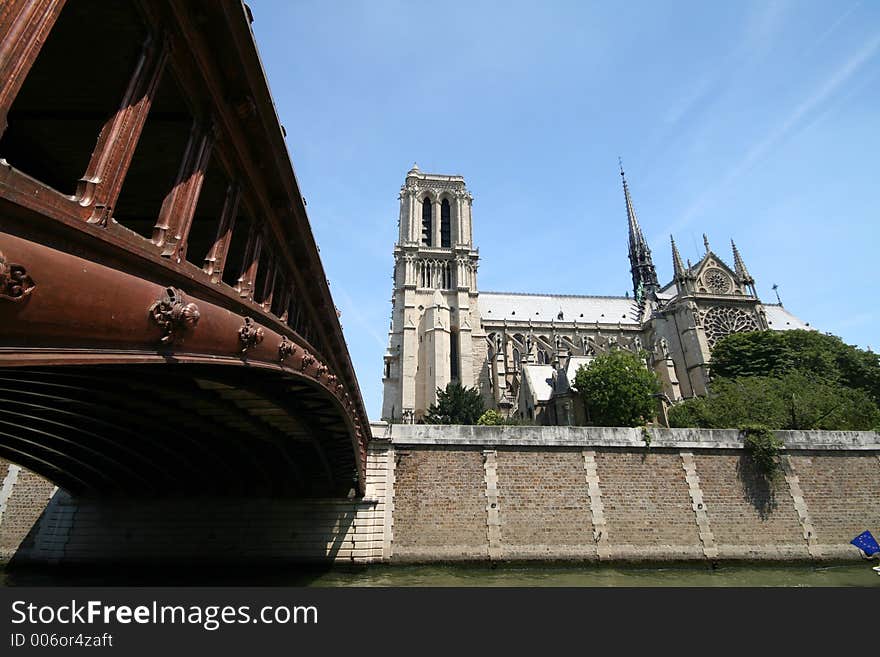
(741, 271)
(681, 274)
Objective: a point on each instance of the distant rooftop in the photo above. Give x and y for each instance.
(779, 319)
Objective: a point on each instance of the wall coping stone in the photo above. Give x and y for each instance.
(535, 436)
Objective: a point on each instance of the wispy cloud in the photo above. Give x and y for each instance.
(762, 26)
(349, 308)
(688, 100)
(819, 96)
(831, 28)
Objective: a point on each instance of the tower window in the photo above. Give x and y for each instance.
(453, 355)
(426, 222)
(445, 240)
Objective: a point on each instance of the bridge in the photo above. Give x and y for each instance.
(166, 326)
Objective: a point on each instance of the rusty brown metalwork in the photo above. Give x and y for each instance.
(215, 261)
(15, 282)
(25, 24)
(248, 278)
(249, 335)
(174, 315)
(104, 289)
(179, 206)
(99, 187)
(285, 348)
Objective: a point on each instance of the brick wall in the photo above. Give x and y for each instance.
(691, 495)
(23, 496)
(842, 494)
(545, 509)
(439, 504)
(750, 519)
(87, 531)
(647, 507)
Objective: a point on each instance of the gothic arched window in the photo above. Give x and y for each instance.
(426, 222)
(516, 359)
(542, 357)
(445, 240)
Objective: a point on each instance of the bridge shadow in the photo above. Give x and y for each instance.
(200, 541)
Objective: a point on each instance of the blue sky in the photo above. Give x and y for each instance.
(757, 121)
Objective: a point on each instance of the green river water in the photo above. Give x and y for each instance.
(739, 575)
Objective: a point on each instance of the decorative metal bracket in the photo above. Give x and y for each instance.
(285, 349)
(173, 314)
(15, 283)
(249, 335)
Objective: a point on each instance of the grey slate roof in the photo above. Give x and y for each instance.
(779, 319)
(512, 306)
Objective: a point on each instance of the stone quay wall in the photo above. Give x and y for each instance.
(592, 493)
(462, 493)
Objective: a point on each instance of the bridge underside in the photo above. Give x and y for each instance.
(175, 430)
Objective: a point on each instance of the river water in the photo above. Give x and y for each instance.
(855, 574)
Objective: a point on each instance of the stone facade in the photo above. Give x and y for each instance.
(434, 320)
(511, 346)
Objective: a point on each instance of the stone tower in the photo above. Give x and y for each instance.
(435, 322)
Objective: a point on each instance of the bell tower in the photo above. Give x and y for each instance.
(434, 314)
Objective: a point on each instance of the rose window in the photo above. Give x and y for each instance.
(721, 321)
(716, 281)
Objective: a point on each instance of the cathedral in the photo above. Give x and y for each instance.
(521, 351)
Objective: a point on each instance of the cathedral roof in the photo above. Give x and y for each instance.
(779, 319)
(546, 308)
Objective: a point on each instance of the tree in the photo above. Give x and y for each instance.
(776, 353)
(795, 400)
(455, 405)
(618, 390)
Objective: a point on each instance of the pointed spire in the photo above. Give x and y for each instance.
(644, 275)
(636, 239)
(706, 243)
(677, 264)
(740, 266)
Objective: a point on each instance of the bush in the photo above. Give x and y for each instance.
(618, 390)
(763, 446)
(491, 418)
(455, 405)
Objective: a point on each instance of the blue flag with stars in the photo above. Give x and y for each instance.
(866, 543)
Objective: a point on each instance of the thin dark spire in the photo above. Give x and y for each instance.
(644, 275)
(636, 239)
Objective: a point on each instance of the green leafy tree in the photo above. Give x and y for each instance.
(796, 400)
(618, 390)
(491, 418)
(777, 353)
(455, 405)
